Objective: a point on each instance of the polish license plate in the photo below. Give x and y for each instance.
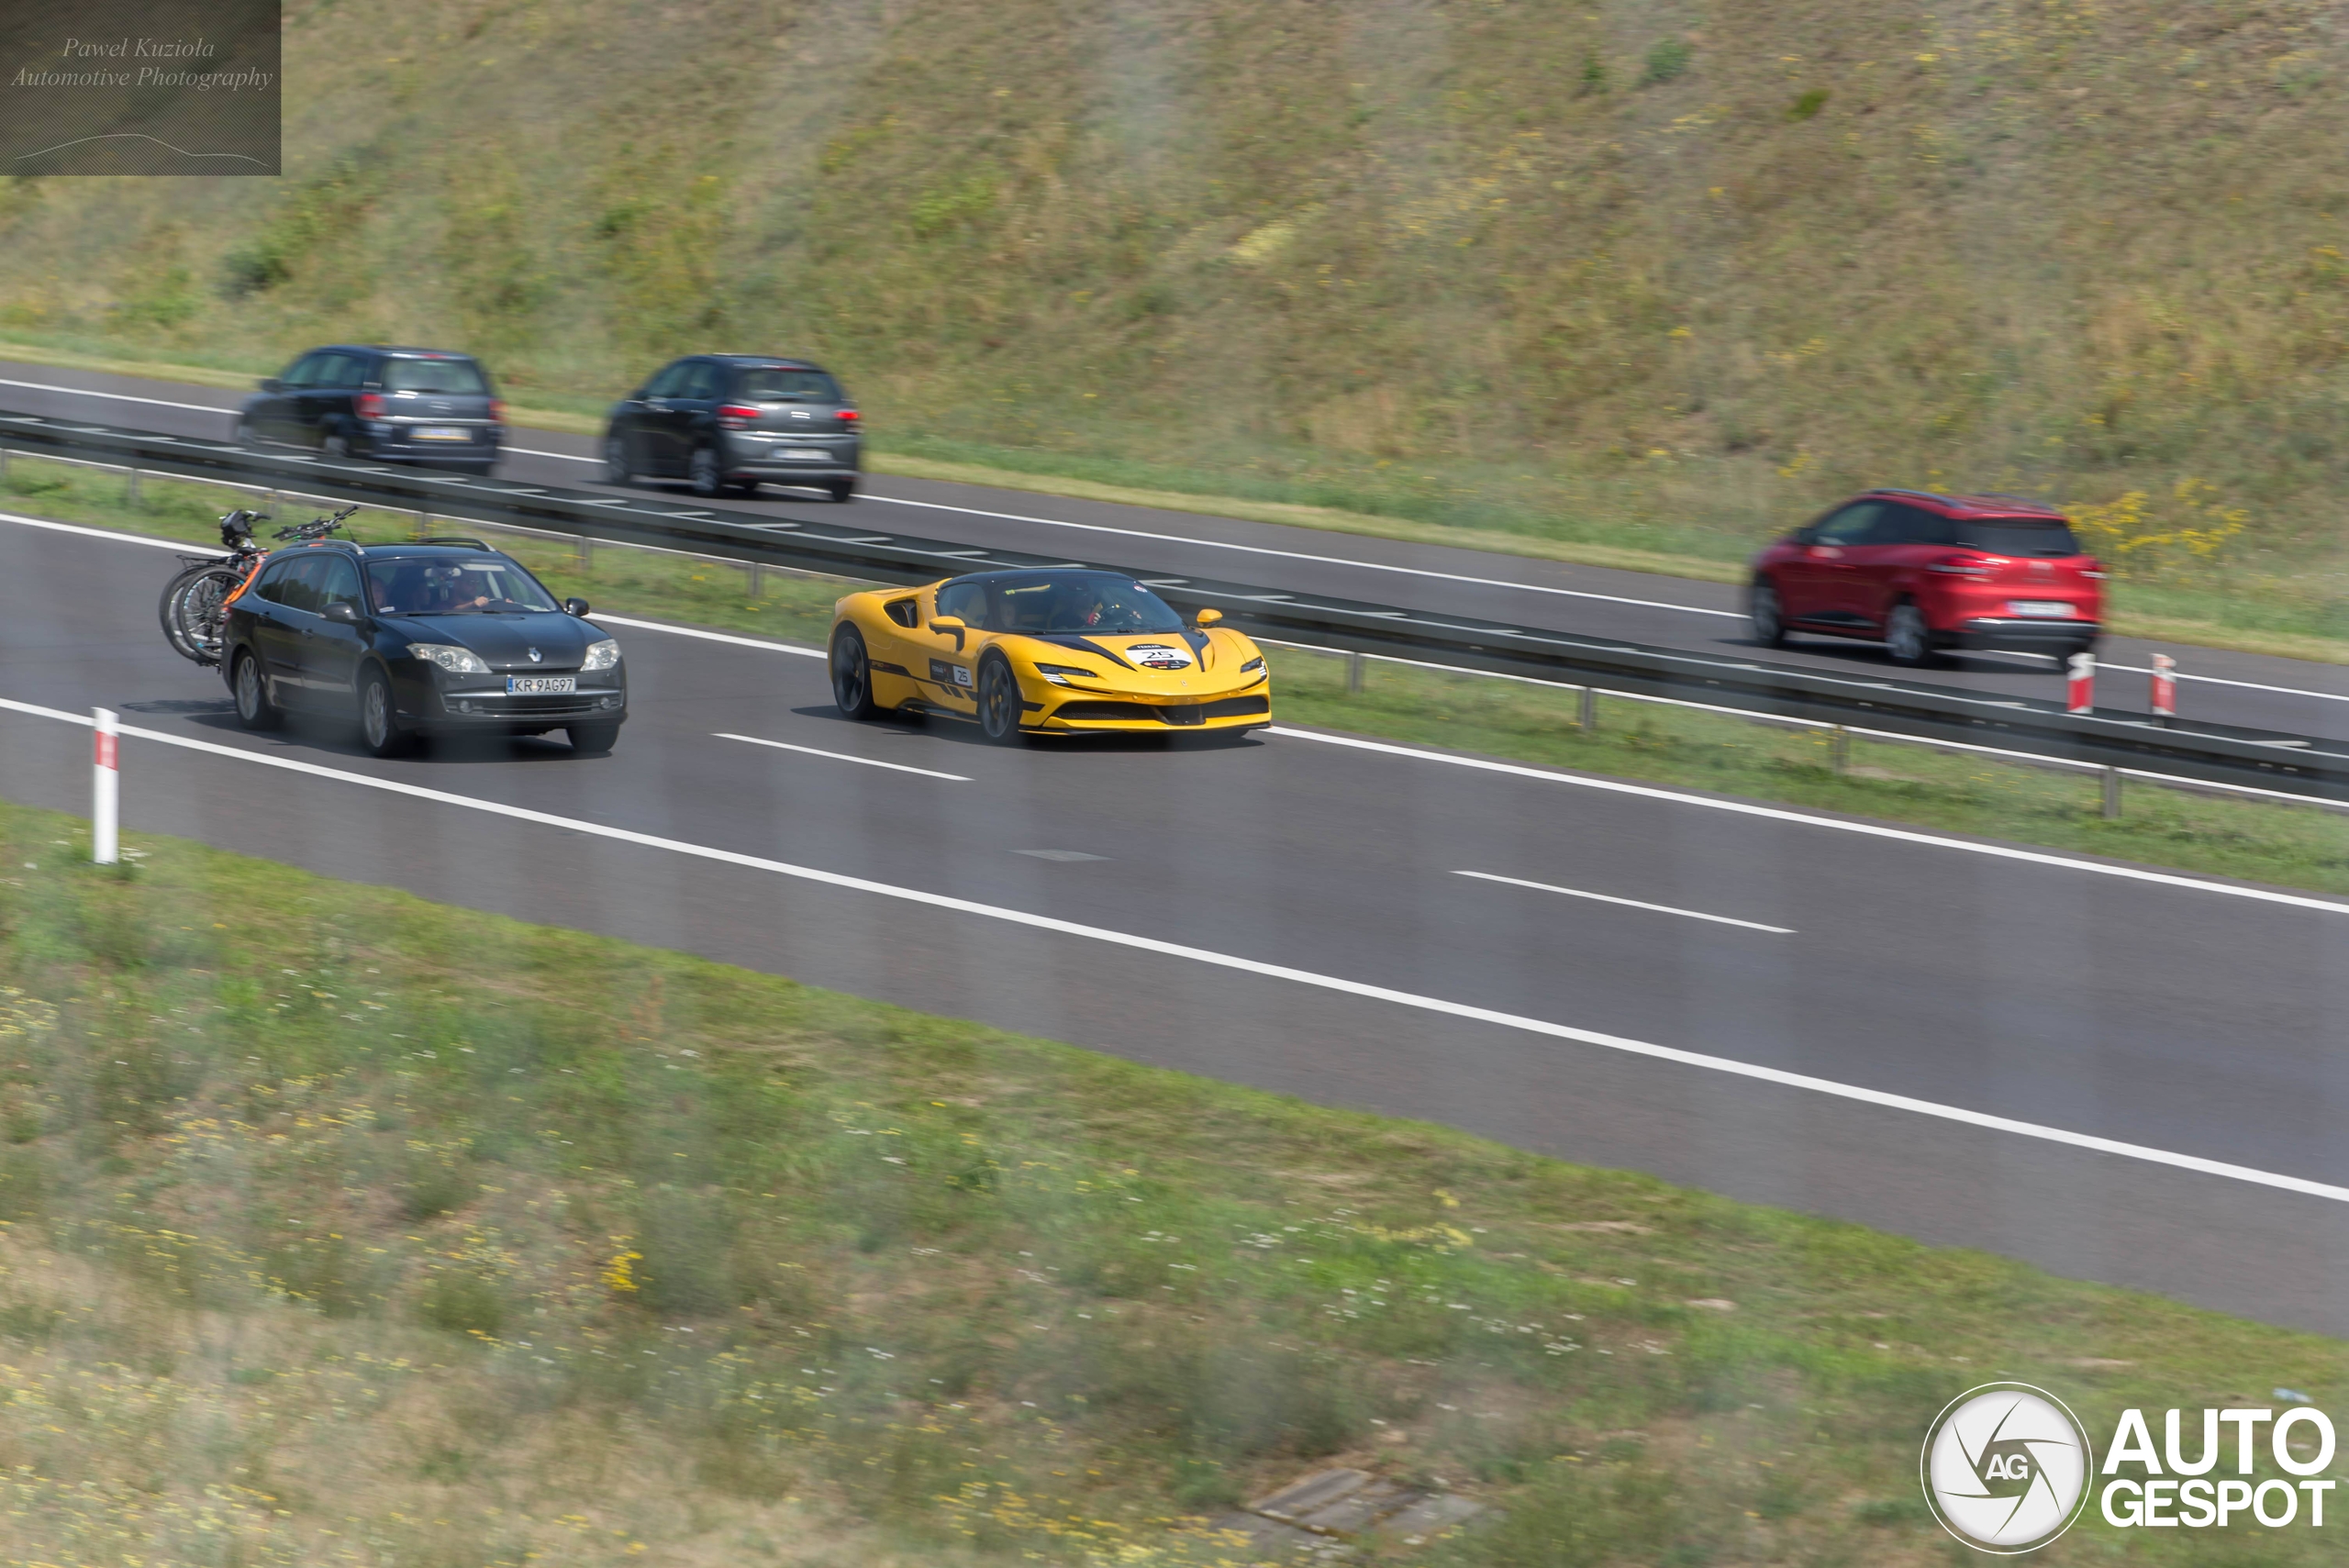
(540, 685)
(801, 454)
(442, 433)
(2040, 609)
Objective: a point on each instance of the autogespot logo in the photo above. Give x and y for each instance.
(2007, 1467)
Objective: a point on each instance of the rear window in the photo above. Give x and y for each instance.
(2017, 536)
(444, 378)
(767, 384)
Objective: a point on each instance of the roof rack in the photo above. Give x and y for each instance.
(452, 538)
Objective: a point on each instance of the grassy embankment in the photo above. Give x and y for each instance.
(2291, 845)
(336, 1222)
(1616, 285)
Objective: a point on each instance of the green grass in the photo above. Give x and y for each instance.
(2254, 841)
(1590, 279)
(333, 1217)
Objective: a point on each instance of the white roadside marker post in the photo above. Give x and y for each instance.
(105, 791)
(2164, 687)
(2080, 687)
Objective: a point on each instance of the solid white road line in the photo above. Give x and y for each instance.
(1780, 813)
(841, 757)
(1826, 1086)
(1628, 903)
(186, 546)
(119, 397)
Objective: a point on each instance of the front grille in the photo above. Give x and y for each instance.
(1232, 708)
(1128, 711)
(1182, 716)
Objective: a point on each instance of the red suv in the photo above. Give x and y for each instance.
(1925, 573)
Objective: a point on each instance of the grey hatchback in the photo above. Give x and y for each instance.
(727, 423)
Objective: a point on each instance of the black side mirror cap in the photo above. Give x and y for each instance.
(341, 612)
(575, 608)
(271, 383)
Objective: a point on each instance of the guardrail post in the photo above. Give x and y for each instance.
(423, 525)
(586, 553)
(130, 488)
(1587, 711)
(758, 580)
(106, 798)
(1354, 674)
(1839, 748)
(2111, 794)
(3, 462)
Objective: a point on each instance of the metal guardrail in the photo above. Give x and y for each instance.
(824, 541)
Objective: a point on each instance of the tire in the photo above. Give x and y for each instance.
(1907, 636)
(255, 710)
(246, 436)
(852, 675)
(618, 469)
(379, 721)
(999, 702)
(190, 611)
(1767, 614)
(842, 491)
(745, 488)
(593, 740)
(335, 447)
(703, 474)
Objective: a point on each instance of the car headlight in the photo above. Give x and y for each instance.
(456, 661)
(1059, 673)
(601, 655)
(1253, 665)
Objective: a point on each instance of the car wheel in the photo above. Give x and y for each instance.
(379, 721)
(594, 739)
(842, 490)
(702, 474)
(247, 436)
(852, 675)
(1768, 615)
(1906, 635)
(999, 702)
(255, 710)
(335, 447)
(618, 470)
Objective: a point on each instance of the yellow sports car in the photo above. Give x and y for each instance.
(1049, 652)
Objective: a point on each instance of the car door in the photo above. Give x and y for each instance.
(1816, 586)
(327, 399)
(331, 649)
(277, 625)
(272, 415)
(660, 423)
(694, 410)
(1884, 562)
(946, 667)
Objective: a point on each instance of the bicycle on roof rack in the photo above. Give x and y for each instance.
(195, 600)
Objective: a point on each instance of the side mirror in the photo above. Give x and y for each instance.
(950, 626)
(1209, 618)
(575, 608)
(1804, 536)
(271, 383)
(342, 612)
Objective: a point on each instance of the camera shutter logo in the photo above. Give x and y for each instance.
(2006, 1468)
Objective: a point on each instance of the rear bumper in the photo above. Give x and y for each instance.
(764, 460)
(2053, 637)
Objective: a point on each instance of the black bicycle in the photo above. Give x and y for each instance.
(193, 601)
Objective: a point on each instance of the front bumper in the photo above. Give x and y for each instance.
(2055, 638)
(1081, 713)
(460, 704)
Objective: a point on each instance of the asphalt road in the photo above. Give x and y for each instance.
(1290, 913)
(2250, 689)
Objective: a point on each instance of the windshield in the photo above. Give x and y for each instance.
(477, 585)
(1093, 602)
(2017, 536)
(767, 383)
(446, 378)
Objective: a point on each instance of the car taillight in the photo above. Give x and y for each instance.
(370, 405)
(734, 416)
(1960, 566)
(497, 409)
(848, 416)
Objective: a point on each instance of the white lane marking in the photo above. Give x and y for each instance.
(1780, 813)
(183, 546)
(1826, 1086)
(695, 632)
(841, 757)
(1628, 903)
(2221, 681)
(117, 396)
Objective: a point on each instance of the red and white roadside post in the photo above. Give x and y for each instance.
(2164, 687)
(2080, 695)
(105, 791)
